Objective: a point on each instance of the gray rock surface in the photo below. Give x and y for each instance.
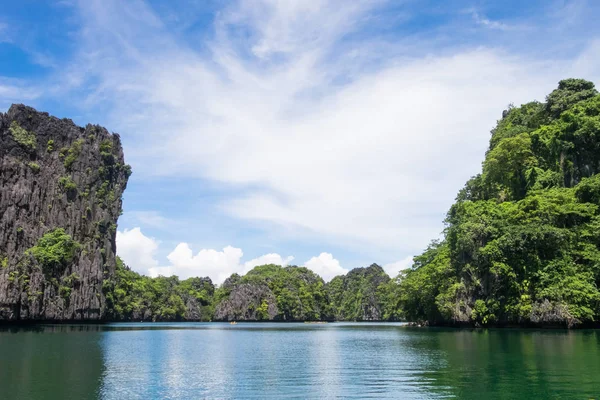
(244, 301)
(54, 174)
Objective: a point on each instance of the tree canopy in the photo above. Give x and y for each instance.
(522, 241)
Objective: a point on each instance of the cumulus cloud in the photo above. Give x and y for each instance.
(218, 265)
(394, 268)
(271, 258)
(326, 266)
(137, 250)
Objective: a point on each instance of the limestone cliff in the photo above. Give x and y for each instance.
(273, 293)
(244, 302)
(358, 295)
(60, 197)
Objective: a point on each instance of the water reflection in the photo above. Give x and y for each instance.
(50, 362)
(517, 363)
(174, 361)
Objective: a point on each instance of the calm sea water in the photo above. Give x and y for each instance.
(340, 360)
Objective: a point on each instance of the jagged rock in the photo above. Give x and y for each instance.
(54, 174)
(273, 292)
(354, 296)
(199, 309)
(244, 302)
(552, 314)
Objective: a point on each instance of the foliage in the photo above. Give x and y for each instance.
(73, 153)
(106, 149)
(64, 292)
(22, 136)
(54, 251)
(569, 92)
(131, 296)
(522, 243)
(68, 186)
(35, 167)
(127, 170)
(299, 293)
(360, 295)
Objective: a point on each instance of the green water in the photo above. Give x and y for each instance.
(188, 360)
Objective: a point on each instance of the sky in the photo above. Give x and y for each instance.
(326, 133)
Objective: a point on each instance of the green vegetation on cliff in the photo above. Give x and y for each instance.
(22, 136)
(361, 295)
(134, 297)
(266, 293)
(272, 292)
(56, 247)
(54, 251)
(522, 243)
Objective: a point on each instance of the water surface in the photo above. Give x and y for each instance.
(267, 360)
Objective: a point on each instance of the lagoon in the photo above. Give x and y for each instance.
(295, 360)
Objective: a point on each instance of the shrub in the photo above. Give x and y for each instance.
(106, 148)
(64, 292)
(127, 170)
(71, 280)
(73, 153)
(35, 167)
(54, 250)
(22, 136)
(67, 184)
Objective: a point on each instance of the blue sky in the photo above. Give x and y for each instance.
(325, 133)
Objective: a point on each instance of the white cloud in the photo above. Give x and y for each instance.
(14, 90)
(394, 268)
(326, 266)
(488, 23)
(137, 250)
(218, 265)
(272, 258)
(375, 161)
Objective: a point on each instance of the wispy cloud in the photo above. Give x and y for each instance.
(310, 122)
(4, 37)
(152, 219)
(486, 22)
(17, 91)
(374, 161)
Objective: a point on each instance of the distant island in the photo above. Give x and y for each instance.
(521, 245)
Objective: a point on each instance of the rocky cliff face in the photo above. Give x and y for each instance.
(246, 302)
(273, 293)
(60, 197)
(356, 295)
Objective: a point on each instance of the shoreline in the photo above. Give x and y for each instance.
(465, 327)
